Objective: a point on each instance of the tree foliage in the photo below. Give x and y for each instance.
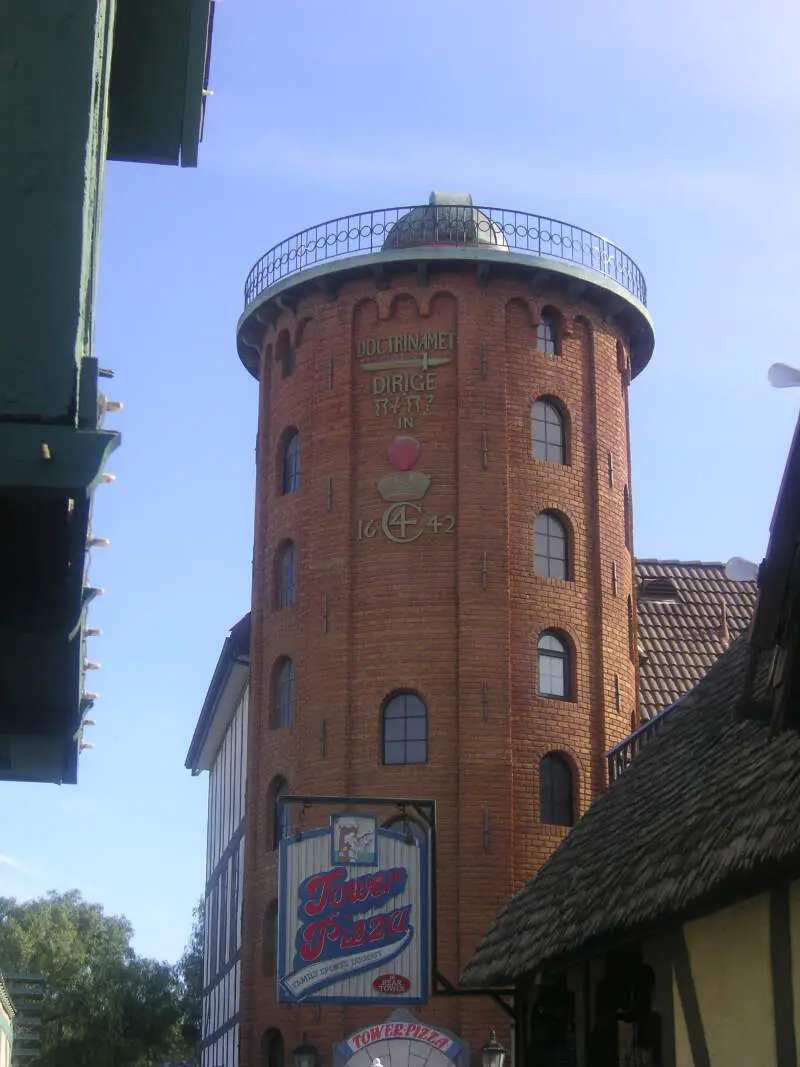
(104, 1005)
(190, 969)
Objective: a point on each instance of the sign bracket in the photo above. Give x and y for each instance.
(443, 987)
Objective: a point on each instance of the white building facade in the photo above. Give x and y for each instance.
(219, 746)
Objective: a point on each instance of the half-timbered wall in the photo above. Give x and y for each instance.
(223, 897)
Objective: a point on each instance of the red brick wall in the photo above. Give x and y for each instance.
(454, 615)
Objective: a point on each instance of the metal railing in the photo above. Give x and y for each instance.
(622, 755)
(447, 224)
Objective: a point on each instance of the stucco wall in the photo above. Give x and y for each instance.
(6, 1038)
(729, 953)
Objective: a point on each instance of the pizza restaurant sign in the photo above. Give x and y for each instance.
(413, 1031)
(352, 914)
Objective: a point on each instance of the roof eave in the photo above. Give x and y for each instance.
(235, 653)
(776, 568)
(632, 316)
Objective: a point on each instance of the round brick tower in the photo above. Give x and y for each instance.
(443, 570)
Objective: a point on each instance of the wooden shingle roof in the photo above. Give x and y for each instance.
(6, 1004)
(717, 811)
(681, 637)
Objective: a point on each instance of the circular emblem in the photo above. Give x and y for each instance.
(399, 523)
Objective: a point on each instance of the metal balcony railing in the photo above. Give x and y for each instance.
(500, 229)
(622, 755)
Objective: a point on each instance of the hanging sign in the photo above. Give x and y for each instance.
(353, 914)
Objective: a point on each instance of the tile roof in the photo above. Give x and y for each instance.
(679, 642)
(717, 805)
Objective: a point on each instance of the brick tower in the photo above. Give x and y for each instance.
(443, 570)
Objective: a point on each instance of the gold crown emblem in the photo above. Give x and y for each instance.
(404, 485)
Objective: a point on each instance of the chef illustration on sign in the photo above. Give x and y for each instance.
(354, 840)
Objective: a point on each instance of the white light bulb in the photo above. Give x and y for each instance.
(782, 376)
(738, 569)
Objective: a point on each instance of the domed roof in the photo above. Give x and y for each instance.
(448, 219)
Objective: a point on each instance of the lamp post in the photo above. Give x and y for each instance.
(493, 1054)
(305, 1055)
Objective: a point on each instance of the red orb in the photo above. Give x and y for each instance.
(404, 452)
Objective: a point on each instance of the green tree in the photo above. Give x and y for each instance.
(190, 970)
(104, 1006)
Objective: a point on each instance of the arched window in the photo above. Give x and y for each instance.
(290, 467)
(626, 516)
(554, 666)
(284, 693)
(547, 334)
(631, 631)
(280, 815)
(269, 940)
(272, 1049)
(405, 729)
(549, 433)
(403, 825)
(287, 575)
(556, 794)
(550, 546)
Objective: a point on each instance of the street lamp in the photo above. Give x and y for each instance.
(493, 1054)
(305, 1055)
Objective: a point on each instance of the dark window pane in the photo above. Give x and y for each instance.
(416, 729)
(553, 666)
(551, 643)
(405, 729)
(287, 360)
(556, 791)
(546, 334)
(291, 464)
(548, 432)
(281, 815)
(414, 705)
(550, 546)
(284, 694)
(287, 576)
(416, 752)
(394, 729)
(394, 752)
(275, 1049)
(558, 568)
(551, 676)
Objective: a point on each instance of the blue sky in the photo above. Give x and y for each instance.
(670, 127)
